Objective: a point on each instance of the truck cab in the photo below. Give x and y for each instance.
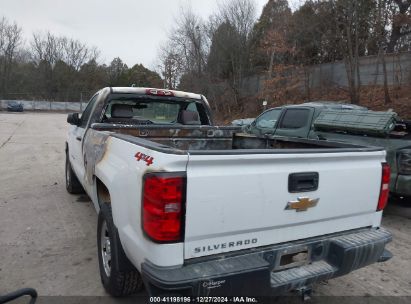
(294, 120)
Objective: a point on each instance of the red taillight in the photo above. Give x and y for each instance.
(159, 92)
(163, 206)
(385, 187)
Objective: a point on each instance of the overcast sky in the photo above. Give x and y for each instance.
(129, 29)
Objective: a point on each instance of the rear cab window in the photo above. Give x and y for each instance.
(156, 112)
(140, 109)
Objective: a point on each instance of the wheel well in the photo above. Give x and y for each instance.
(103, 195)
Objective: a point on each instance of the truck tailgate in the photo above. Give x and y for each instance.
(236, 202)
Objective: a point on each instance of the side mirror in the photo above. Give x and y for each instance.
(73, 119)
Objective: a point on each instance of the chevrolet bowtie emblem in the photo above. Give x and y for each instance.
(302, 204)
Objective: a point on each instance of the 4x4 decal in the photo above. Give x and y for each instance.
(147, 158)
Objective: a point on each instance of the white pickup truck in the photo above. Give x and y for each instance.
(189, 208)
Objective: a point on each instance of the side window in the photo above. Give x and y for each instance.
(295, 119)
(268, 120)
(200, 109)
(192, 107)
(87, 111)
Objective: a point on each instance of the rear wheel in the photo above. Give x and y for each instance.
(401, 200)
(118, 275)
(73, 185)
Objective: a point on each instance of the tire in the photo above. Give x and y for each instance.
(118, 275)
(73, 185)
(403, 201)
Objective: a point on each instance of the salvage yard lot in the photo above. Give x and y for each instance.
(48, 237)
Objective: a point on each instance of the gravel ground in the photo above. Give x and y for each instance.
(48, 237)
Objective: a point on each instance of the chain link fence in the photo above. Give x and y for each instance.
(35, 102)
(334, 74)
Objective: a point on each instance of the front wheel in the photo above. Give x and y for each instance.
(73, 185)
(118, 275)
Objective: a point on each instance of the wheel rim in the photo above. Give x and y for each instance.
(105, 248)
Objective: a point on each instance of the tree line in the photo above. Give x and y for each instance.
(214, 55)
(52, 67)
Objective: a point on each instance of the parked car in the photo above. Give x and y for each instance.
(358, 126)
(14, 106)
(189, 208)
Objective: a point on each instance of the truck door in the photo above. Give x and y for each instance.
(295, 122)
(76, 139)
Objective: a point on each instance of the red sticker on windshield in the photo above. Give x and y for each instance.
(147, 158)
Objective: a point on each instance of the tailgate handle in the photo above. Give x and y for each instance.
(303, 182)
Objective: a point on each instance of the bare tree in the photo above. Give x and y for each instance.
(170, 65)
(10, 41)
(204, 57)
(189, 40)
(47, 48)
(51, 53)
(3, 24)
(381, 23)
(348, 26)
(231, 29)
(241, 14)
(76, 53)
(50, 48)
(401, 22)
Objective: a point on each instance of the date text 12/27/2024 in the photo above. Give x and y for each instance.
(203, 300)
